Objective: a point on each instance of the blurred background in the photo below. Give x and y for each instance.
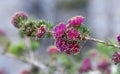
(102, 16)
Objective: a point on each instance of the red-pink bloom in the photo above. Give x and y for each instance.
(76, 21)
(41, 31)
(53, 50)
(86, 66)
(16, 18)
(73, 34)
(116, 57)
(59, 30)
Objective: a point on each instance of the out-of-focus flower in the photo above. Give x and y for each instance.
(76, 21)
(86, 66)
(93, 53)
(104, 64)
(1, 71)
(59, 30)
(18, 17)
(41, 31)
(2, 33)
(53, 50)
(116, 57)
(73, 34)
(108, 71)
(118, 38)
(25, 71)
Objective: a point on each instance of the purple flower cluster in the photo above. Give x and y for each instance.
(76, 21)
(67, 37)
(41, 31)
(86, 66)
(21, 15)
(116, 57)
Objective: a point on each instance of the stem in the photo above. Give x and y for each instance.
(103, 42)
(28, 60)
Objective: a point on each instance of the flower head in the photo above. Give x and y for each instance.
(53, 50)
(118, 38)
(41, 31)
(73, 34)
(61, 44)
(59, 30)
(86, 65)
(19, 16)
(76, 21)
(116, 57)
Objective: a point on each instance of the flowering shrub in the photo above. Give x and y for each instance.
(68, 38)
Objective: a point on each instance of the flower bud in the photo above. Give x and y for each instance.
(41, 31)
(18, 17)
(53, 50)
(76, 21)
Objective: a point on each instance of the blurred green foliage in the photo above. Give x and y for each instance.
(17, 49)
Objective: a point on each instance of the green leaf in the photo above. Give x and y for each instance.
(107, 50)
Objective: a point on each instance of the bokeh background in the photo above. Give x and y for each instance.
(102, 16)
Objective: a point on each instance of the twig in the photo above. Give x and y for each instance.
(103, 42)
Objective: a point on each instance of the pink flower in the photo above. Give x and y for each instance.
(53, 50)
(59, 30)
(76, 21)
(41, 31)
(73, 34)
(86, 66)
(18, 17)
